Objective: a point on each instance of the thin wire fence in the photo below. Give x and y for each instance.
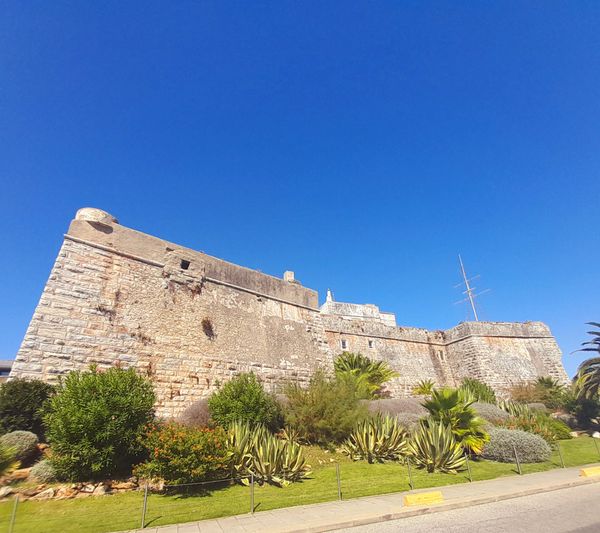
(189, 502)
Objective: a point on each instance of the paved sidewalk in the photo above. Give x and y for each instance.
(337, 515)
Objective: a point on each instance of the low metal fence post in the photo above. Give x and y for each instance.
(468, 467)
(517, 460)
(339, 481)
(562, 460)
(144, 506)
(13, 516)
(410, 481)
(252, 492)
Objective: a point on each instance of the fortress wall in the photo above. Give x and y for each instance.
(190, 321)
(416, 354)
(503, 354)
(104, 307)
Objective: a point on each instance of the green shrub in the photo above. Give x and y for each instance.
(23, 444)
(244, 398)
(480, 391)
(7, 460)
(490, 412)
(43, 472)
(453, 407)
(271, 460)
(539, 424)
(434, 448)
(367, 376)
(196, 414)
(21, 401)
(181, 454)
(377, 439)
(530, 448)
(324, 412)
(95, 422)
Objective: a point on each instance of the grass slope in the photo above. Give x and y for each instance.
(123, 511)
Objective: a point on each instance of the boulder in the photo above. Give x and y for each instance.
(100, 490)
(124, 485)
(44, 495)
(5, 491)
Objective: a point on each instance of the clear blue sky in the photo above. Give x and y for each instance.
(361, 144)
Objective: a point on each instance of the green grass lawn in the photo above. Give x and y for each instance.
(123, 511)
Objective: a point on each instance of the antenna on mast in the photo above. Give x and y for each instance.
(470, 290)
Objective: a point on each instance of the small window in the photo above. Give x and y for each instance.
(185, 264)
(344, 344)
(371, 343)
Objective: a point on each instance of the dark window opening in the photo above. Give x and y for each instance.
(370, 344)
(185, 264)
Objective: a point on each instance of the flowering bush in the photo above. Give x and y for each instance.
(182, 454)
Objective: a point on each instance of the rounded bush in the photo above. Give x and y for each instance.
(394, 406)
(538, 406)
(196, 414)
(530, 448)
(23, 444)
(408, 420)
(244, 398)
(43, 472)
(490, 412)
(21, 402)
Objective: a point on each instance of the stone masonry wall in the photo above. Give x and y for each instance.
(190, 321)
(187, 333)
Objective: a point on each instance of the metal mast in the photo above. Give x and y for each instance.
(470, 291)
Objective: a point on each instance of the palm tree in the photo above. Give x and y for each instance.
(368, 375)
(587, 379)
(453, 407)
(424, 387)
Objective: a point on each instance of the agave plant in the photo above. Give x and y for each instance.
(378, 439)
(434, 448)
(423, 387)
(368, 375)
(452, 407)
(270, 460)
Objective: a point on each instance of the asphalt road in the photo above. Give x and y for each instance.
(575, 509)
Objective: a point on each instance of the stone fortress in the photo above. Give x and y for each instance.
(190, 321)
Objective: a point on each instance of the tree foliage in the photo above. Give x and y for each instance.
(588, 373)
